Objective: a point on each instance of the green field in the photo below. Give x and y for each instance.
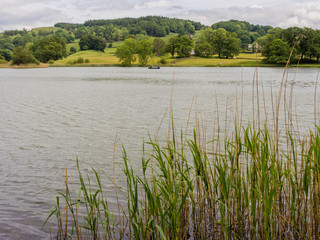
(94, 57)
(109, 58)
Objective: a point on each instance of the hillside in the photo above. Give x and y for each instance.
(68, 43)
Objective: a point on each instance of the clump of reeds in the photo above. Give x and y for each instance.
(247, 191)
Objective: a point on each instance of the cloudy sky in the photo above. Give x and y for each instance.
(17, 14)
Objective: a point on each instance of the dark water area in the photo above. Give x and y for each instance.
(50, 117)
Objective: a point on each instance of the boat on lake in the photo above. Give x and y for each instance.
(154, 67)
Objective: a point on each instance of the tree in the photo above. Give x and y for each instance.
(172, 45)
(231, 46)
(49, 48)
(6, 54)
(22, 56)
(220, 36)
(203, 49)
(90, 42)
(185, 46)
(207, 35)
(279, 52)
(73, 50)
(189, 28)
(126, 52)
(19, 41)
(144, 50)
(159, 46)
(245, 38)
(265, 42)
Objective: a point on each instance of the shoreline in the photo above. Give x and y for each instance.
(2, 66)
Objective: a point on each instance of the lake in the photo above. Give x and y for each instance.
(49, 117)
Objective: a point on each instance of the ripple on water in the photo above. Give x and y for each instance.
(49, 117)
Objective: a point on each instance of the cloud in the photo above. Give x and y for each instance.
(283, 15)
(29, 16)
(36, 13)
(307, 14)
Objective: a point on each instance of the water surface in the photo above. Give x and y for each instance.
(49, 117)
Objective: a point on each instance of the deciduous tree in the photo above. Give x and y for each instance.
(144, 50)
(126, 52)
(49, 48)
(22, 56)
(90, 42)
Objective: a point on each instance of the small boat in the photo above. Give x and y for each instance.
(154, 67)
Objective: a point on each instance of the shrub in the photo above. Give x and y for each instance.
(22, 56)
(163, 61)
(73, 50)
(80, 60)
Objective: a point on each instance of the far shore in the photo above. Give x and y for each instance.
(99, 59)
(9, 65)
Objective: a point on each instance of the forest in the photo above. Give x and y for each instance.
(145, 37)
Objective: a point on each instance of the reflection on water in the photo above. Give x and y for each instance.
(48, 117)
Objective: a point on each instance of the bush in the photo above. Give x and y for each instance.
(51, 62)
(163, 61)
(87, 60)
(6, 54)
(73, 50)
(22, 56)
(80, 60)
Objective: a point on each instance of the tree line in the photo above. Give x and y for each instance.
(144, 37)
(302, 43)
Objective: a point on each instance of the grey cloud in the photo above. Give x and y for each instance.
(29, 18)
(281, 15)
(36, 13)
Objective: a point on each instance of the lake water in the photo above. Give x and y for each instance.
(49, 117)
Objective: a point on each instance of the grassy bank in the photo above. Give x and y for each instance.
(23, 66)
(108, 58)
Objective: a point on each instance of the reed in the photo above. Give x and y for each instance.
(244, 185)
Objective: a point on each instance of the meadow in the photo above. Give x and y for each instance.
(108, 58)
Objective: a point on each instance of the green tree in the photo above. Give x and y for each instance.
(91, 42)
(245, 38)
(185, 46)
(279, 52)
(19, 41)
(203, 49)
(159, 46)
(265, 42)
(172, 45)
(159, 31)
(220, 36)
(126, 52)
(6, 54)
(79, 32)
(189, 28)
(144, 50)
(73, 50)
(22, 56)
(207, 35)
(49, 48)
(231, 46)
